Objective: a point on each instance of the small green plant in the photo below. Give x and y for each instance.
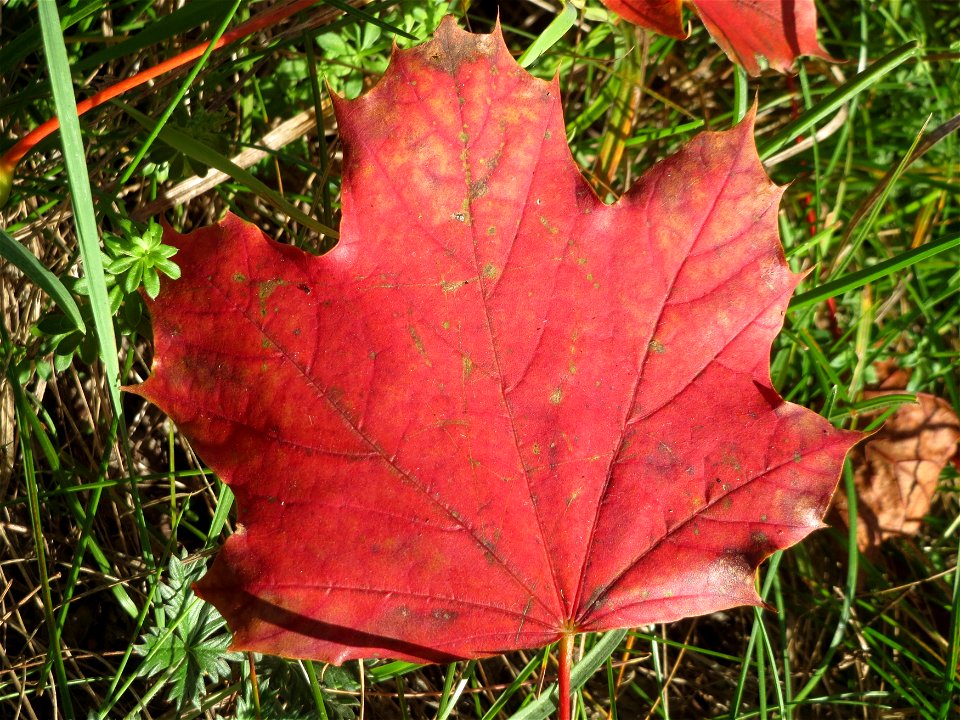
(188, 647)
(284, 692)
(132, 258)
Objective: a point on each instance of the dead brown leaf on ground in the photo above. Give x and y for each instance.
(897, 470)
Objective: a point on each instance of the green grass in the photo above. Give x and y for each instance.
(101, 498)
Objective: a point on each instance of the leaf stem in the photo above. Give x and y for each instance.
(254, 686)
(563, 679)
(16, 153)
(605, 645)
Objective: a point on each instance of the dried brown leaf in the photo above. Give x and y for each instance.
(897, 470)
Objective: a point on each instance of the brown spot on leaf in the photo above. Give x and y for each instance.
(450, 286)
(454, 47)
(478, 189)
(418, 342)
(443, 615)
(553, 229)
(265, 290)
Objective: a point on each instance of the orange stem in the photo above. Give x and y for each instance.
(6, 180)
(15, 154)
(565, 661)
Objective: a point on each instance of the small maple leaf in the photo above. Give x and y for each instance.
(499, 411)
(778, 30)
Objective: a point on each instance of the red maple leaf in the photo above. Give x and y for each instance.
(779, 30)
(499, 411)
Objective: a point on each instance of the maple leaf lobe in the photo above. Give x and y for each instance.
(498, 410)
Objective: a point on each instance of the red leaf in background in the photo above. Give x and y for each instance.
(499, 411)
(663, 16)
(779, 30)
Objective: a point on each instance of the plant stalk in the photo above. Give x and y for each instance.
(563, 679)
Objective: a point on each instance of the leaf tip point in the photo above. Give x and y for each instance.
(141, 389)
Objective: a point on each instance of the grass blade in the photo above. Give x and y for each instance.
(860, 278)
(83, 519)
(184, 87)
(54, 652)
(178, 22)
(27, 263)
(512, 689)
(948, 702)
(367, 17)
(88, 238)
(557, 28)
(83, 212)
(853, 569)
(196, 150)
(849, 90)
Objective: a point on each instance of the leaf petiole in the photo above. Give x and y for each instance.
(563, 680)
